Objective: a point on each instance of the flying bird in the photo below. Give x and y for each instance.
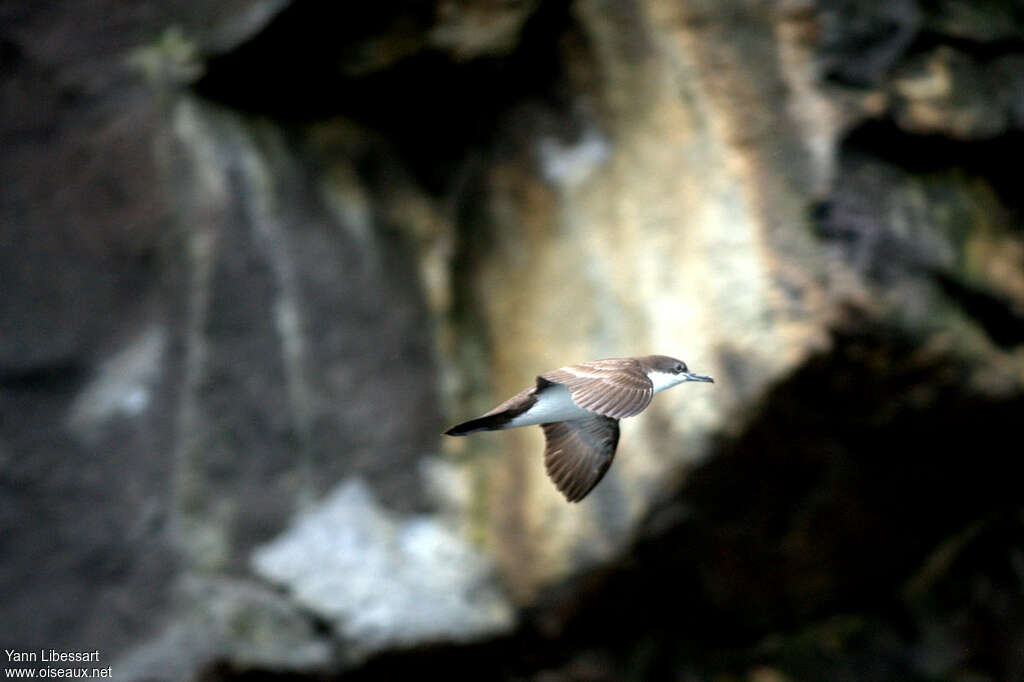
(579, 408)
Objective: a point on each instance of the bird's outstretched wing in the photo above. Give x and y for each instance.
(577, 453)
(611, 388)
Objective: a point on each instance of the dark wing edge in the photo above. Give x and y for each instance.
(578, 453)
(500, 415)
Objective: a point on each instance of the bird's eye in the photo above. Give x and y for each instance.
(680, 368)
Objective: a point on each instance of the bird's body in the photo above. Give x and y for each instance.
(579, 407)
(553, 405)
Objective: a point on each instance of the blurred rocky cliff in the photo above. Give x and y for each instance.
(257, 255)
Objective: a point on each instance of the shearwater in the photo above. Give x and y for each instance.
(579, 408)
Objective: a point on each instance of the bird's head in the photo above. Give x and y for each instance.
(665, 372)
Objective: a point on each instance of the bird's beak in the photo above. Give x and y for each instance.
(690, 376)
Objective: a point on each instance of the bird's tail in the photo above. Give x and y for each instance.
(488, 422)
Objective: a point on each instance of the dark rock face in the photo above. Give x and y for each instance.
(84, 556)
(255, 253)
(173, 352)
(285, 295)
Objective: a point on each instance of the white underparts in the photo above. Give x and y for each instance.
(554, 404)
(663, 380)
